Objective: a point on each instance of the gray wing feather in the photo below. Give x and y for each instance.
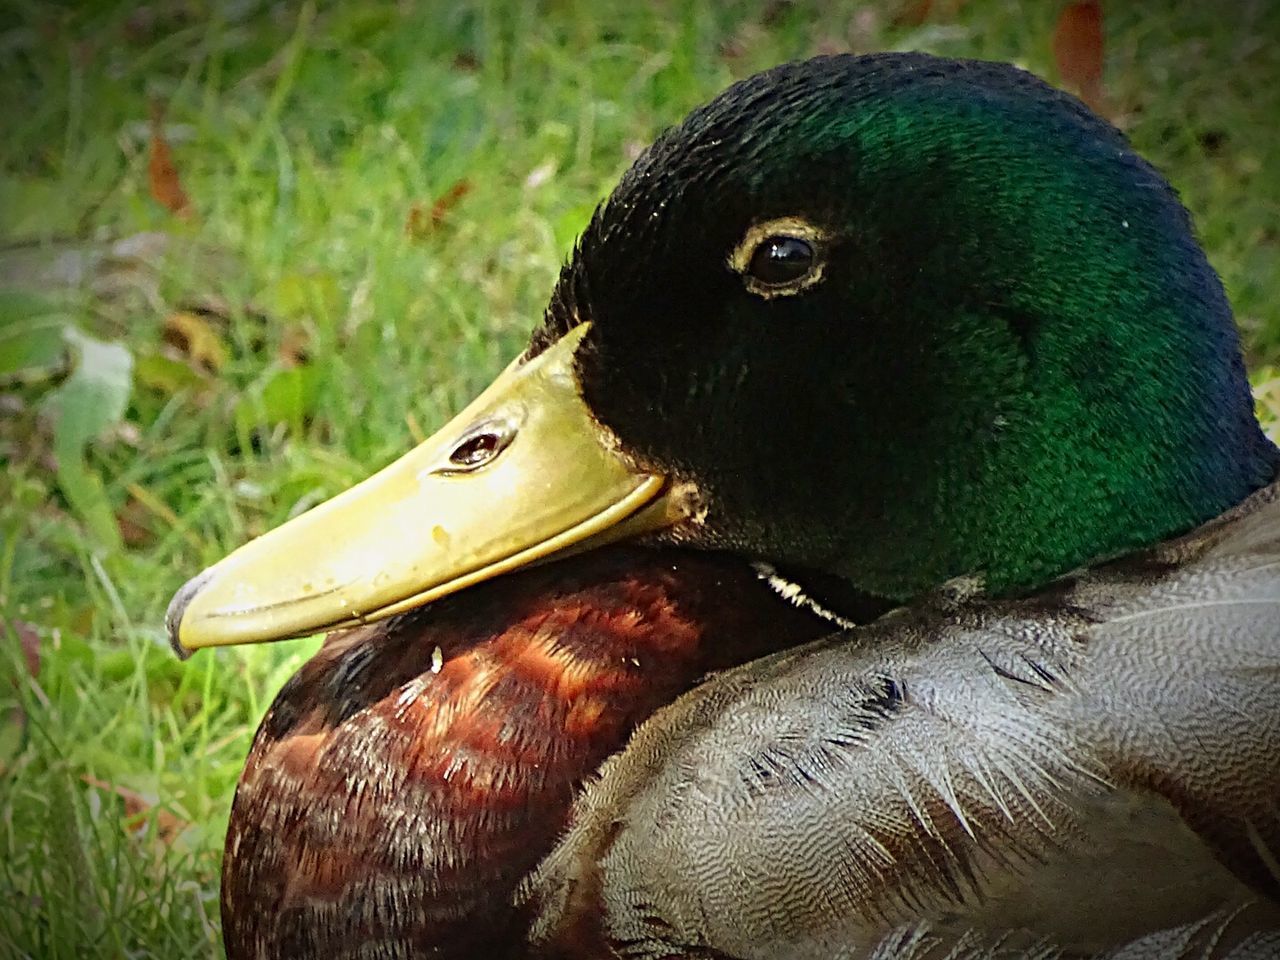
(1079, 765)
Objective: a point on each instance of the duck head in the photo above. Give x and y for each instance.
(884, 321)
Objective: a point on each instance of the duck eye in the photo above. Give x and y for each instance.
(780, 257)
(781, 260)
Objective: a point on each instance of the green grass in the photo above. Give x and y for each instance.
(304, 136)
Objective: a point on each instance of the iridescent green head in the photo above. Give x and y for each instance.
(901, 319)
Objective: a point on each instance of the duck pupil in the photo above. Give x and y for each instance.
(475, 450)
(779, 260)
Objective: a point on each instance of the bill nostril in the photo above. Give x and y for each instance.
(477, 450)
(178, 606)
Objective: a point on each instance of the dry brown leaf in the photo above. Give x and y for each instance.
(134, 521)
(914, 13)
(295, 346)
(13, 728)
(423, 220)
(29, 640)
(1078, 51)
(162, 173)
(195, 336)
(138, 808)
(416, 224)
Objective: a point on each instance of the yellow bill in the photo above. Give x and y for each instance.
(522, 474)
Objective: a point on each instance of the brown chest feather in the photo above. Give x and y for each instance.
(413, 772)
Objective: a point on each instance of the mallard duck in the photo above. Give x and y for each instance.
(933, 352)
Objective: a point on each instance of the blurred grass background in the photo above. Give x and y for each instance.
(250, 251)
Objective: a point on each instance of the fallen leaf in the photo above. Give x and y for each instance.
(422, 220)
(138, 808)
(913, 13)
(1078, 51)
(732, 48)
(29, 640)
(248, 319)
(92, 399)
(416, 222)
(134, 524)
(13, 732)
(192, 333)
(295, 346)
(162, 172)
